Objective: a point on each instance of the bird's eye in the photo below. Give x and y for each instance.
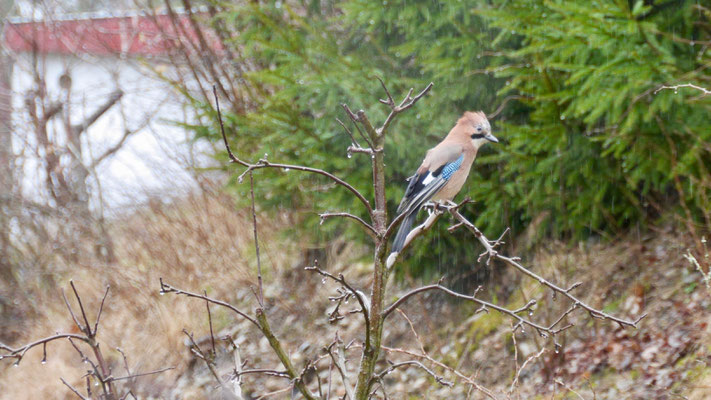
(478, 128)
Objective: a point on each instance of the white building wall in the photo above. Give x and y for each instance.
(155, 161)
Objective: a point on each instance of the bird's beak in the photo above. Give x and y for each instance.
(491, 138)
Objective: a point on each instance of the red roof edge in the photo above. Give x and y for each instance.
(135, 35)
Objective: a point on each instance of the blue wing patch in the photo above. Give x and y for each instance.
(452, 167)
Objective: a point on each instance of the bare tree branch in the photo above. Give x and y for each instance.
(339, 360)
(195, 349)
(367, 228)
(511, 313)
(158, 371)
(260, 297)
(414, 232)
(514, 384)
(166, 288)
(101, 309)
(503, 104)
(406, 103)
(360, 297)
(263, 163)
(492, 253)
(100, 370)
(73, 389)
(561, 383)
(113, 149)
(270, 372)
(354, 120)
(113, 99)
(19, 352)
(454, 371)
(394, 366)
(704, 91)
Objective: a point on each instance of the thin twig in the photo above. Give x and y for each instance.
(209, 322)
(280, 391)
(518, 370)
(195, 349)
(121, 378)
(354, 142)
(166, 288)
(367, 227)
(558, 381)
(354, 120)
(360, 297)
(390, 102)
(125, 364)
(394, 366)
(705, 91)
(270, 372)
(465, 378)
(414, 332)
(19, 352)
(340, 362)
(101, 308)
(264, 163)
(81, 308)
(260, 298)
(71, 312)
(406, 103)
(73, 389)
(503, 104)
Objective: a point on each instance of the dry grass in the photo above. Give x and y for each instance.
(198, 242)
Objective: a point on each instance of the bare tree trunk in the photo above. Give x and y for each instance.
(7, 175)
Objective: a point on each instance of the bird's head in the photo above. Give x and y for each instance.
(475, 125)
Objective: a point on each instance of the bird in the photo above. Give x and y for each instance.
(444, 170)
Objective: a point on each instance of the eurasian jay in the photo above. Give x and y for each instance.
(444, 170)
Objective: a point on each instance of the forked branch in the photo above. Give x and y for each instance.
(491, 252)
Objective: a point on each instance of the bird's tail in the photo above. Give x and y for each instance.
(405, 227)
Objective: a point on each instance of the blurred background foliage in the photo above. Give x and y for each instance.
(588, 147)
